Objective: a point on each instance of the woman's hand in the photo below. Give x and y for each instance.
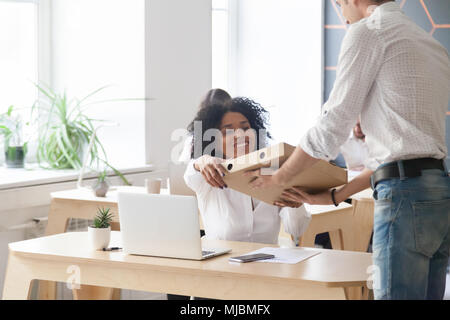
(289, 204)
(212, 170)
(297, 195)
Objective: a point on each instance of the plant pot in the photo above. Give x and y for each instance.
(99, 238)
(15, 156)
(100, 189)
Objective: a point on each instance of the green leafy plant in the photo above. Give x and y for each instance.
(103, 218)
(11, 127)
(5, 123)
(102, 176)
(65, 131)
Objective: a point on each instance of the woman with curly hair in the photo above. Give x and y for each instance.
(212, 97)
(224, 131)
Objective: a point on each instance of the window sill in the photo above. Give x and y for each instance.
(32, 175)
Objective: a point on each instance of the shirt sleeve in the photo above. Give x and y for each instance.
(359, 63)
(295, 220)
(195, 180)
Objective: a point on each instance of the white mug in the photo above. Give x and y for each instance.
(153, 186)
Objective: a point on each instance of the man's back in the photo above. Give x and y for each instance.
(411, 89)
(396, 78)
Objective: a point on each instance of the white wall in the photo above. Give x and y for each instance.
(178, 69)
(101, 42)
(279, 61)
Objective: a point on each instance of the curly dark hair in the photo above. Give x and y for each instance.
(211, 116)
(215, 96)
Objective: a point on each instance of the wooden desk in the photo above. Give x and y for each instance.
(349, 226)
(80, 204)
(55, 258)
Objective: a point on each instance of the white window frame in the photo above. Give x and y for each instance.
(232, 13)
(43, 35)
(233, 31)
(233, 40)
(44, 41)
(234, 62)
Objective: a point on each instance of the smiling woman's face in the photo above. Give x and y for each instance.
(238, 139)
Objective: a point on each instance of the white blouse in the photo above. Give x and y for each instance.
(229, 215)
(355, 153)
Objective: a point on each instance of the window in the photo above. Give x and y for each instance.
(77, 47)
(272, 51)
(98, 43)
(18, 54)
(220, 44)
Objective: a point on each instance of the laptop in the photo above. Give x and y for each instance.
(162, 226)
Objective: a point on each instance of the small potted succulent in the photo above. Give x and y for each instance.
(101, 186)
(11, 127)
(100, 232)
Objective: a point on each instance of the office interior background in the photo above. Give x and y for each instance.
(281, 53)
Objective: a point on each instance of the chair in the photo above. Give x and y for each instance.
(350, 228)
(177, 186)
(337, 221)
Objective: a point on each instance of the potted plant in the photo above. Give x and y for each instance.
(101, 186)
(99, 233)
(11, 127)
(65, 131)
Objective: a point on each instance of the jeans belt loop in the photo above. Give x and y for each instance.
(371, 182)
(445, 167)
(401, 170)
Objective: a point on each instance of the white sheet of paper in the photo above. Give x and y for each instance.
(286, 255)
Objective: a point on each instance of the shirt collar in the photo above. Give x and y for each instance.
(390, 6)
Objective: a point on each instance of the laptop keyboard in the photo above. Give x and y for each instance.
(205, 253)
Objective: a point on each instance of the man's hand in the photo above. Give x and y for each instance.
(297, 195)
(261, 180)
(212, 170)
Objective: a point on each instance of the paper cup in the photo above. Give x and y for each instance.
(153, 186)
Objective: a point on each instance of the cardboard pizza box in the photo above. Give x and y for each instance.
(321, 176)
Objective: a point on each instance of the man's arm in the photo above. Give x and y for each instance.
(300, 160)
(358, 184)
(295, 194)
(359, 63)
(297, 162)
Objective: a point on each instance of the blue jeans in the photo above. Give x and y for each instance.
(411, 240)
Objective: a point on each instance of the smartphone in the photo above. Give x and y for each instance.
(252, 257)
